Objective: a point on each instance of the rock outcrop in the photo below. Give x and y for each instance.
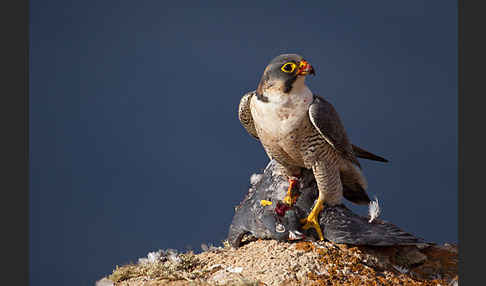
(260, 249)
(272, 262)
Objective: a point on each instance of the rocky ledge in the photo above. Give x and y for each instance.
(266, 246)
(271, 262)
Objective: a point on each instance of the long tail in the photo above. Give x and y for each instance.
(361, 153)
(354, 184)
(356, 194)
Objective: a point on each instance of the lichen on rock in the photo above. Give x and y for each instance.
(270, 262)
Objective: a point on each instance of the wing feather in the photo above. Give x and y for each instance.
(327, 122)
(244, 114)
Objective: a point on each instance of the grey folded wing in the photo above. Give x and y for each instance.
(244, 113)
(327, 122)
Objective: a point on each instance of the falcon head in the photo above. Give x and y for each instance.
(284, 73)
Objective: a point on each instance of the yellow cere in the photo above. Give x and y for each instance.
(288, 67)
(265, 203)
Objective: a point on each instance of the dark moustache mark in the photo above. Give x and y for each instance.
(261, 97)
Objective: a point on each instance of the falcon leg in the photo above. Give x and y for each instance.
(330, 191)
(312, 218)
(291, 196)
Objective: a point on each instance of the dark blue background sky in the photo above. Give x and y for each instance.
(135, 144)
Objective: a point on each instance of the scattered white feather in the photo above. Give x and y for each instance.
(210, 247)
(374, 210)
(204, 247)
(161, 256)
(255, 178)
(295, 235)
(173, 256)
(401, 269)
(234, 269)
(454, 282)
(104, 282)
(152, 257)
(215, 266)
(215, 248)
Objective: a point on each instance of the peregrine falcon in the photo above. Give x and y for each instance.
(299, 129)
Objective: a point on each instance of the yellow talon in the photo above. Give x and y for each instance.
(288, 199)
(311, 220)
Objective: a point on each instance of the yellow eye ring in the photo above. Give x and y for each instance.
(288, 67)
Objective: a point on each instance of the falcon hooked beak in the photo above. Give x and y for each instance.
(305, 68)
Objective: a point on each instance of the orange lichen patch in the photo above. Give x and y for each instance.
(344, 265)
(269, 262)
(318, 280)
(304, 245)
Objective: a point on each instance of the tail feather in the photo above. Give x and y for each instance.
(354, 185)
(356, 194)
(361, 153)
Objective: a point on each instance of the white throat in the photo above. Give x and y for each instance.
(282, 113)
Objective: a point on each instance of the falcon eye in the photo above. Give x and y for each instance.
(288, 67)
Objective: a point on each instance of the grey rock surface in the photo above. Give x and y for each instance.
(339, 224)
